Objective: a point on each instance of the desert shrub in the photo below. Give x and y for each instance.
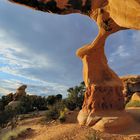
(25, 105)
(1, 105)
(133, 104)
(14, 133)
(7, 115)
(62, 116)
(31, 103)
(70, 104)
(58, 97)
(54, 111)
(52, 99)
(52, 114)
(38, 102)
(7, 99)
(75, 97)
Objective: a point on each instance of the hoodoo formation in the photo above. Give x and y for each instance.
(103, 87)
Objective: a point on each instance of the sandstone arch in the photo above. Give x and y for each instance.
(104, 88)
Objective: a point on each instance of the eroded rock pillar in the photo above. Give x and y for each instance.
(103, 86)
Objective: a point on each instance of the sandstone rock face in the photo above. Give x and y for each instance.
(114, 122)
(125, 13)
(98, 98)
(131, 85)
(20, 92)
(104, 88)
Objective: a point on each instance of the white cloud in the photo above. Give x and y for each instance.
(120, 52)
(14, 56)
(125, 57)
(12, 52)
(4, 91)
(15, 59)
(34, 87)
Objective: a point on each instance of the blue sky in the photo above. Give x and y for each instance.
(38, 49)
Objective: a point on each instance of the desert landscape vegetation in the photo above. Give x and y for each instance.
(33, 117)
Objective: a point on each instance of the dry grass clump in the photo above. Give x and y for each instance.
(13, 134)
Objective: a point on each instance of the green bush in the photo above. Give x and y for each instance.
(14, 133)
(75, 97)
(62, 116)
(7, 99)
(53, 99)
(133, 104)
(31, 103)
(70, 104)
(55, 110)
(52, 114)
(7, 115)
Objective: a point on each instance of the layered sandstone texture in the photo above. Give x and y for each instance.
(125, 13)
(104, 88)
(131, 86)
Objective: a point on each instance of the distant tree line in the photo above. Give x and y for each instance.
(53, 103)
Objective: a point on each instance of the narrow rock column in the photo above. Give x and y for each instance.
(103, 86)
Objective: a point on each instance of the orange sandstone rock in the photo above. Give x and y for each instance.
(113, 122)
(104, 88)
(125, 13)
(131, 84)
(136, 96)
(20, 92)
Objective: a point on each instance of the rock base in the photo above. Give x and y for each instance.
(107, 121)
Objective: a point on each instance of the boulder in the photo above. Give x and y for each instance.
(109, 121)
(114, 124)
(20, 92)
(135, 96)
(131, 84)
(14, 104)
